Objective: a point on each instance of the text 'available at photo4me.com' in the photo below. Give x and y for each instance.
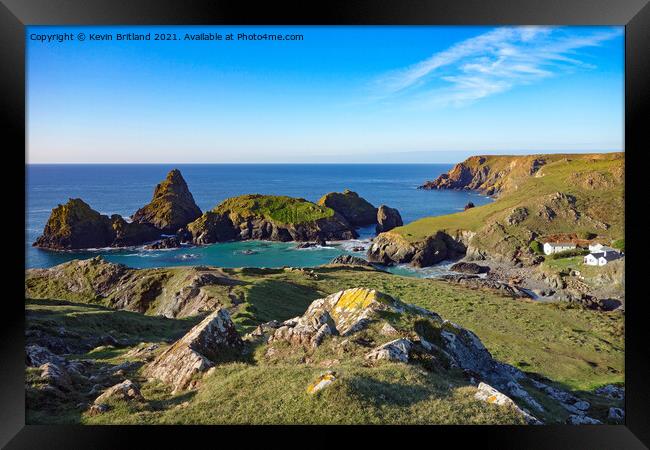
(83, 36)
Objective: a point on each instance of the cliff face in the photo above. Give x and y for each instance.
(493, 175)
(172, 206)
(268, 217)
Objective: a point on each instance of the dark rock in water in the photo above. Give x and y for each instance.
(129, 234)
(358, 249)
(170, 242)
(172, 206)
(319, 242)
(356, 210)
(350, 261)
(76, 225)
(183, 235)
(469, 205)
(475, 281)
(390, 248)
(469, 268)
(387, 219)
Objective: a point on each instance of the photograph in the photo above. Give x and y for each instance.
(320, 225)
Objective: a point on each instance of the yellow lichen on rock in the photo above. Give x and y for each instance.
(321, 382)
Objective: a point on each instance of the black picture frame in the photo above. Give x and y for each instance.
(633, 14)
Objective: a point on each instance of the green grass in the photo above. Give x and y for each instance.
(282, 209)
(93, 320)
(391, 393)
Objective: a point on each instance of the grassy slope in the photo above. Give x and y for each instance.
(282, 209)
(575, 348)
(560, 175)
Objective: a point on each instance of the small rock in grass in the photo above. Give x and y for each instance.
(322, 382)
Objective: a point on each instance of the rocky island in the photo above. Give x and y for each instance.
(270, 217)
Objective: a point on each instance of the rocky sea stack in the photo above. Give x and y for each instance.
(356, 210)
(172, 206)
(76, 225)
(387, 219)
(270, 217)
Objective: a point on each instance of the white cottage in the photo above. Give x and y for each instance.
(557, 247)
(601, 258)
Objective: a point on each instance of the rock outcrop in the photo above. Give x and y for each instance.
(469, 268)
(356, 210)
(476, 282)
(384, 329)
(76, 225)
(172, 206)
(389, 248)
(350, 260)
(387, 219)
(267, 217)
(196, 352)
(169, 293)
(488, 174)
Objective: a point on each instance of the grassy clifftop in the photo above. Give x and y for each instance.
(565, 194)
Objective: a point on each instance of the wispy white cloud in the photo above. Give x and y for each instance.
(491, 63)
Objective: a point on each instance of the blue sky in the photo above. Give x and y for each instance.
(342, 94)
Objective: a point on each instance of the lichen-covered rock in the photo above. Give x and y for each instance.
(387, 219)
(172, 206)
(397, 351)
(342, 313)
(490, 395)
(356, 210)
(125, 391)
(322, 382)
(195, 352)
(350, 260)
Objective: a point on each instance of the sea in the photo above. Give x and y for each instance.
(123, 188)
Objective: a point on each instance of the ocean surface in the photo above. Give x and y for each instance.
(122, 189)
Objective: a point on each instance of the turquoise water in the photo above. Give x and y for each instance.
(122, 189)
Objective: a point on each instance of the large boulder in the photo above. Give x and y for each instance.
(270, 217)
(196, 352)
(172, 206)
(76, 225)
(356, 210)
(387, 219)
